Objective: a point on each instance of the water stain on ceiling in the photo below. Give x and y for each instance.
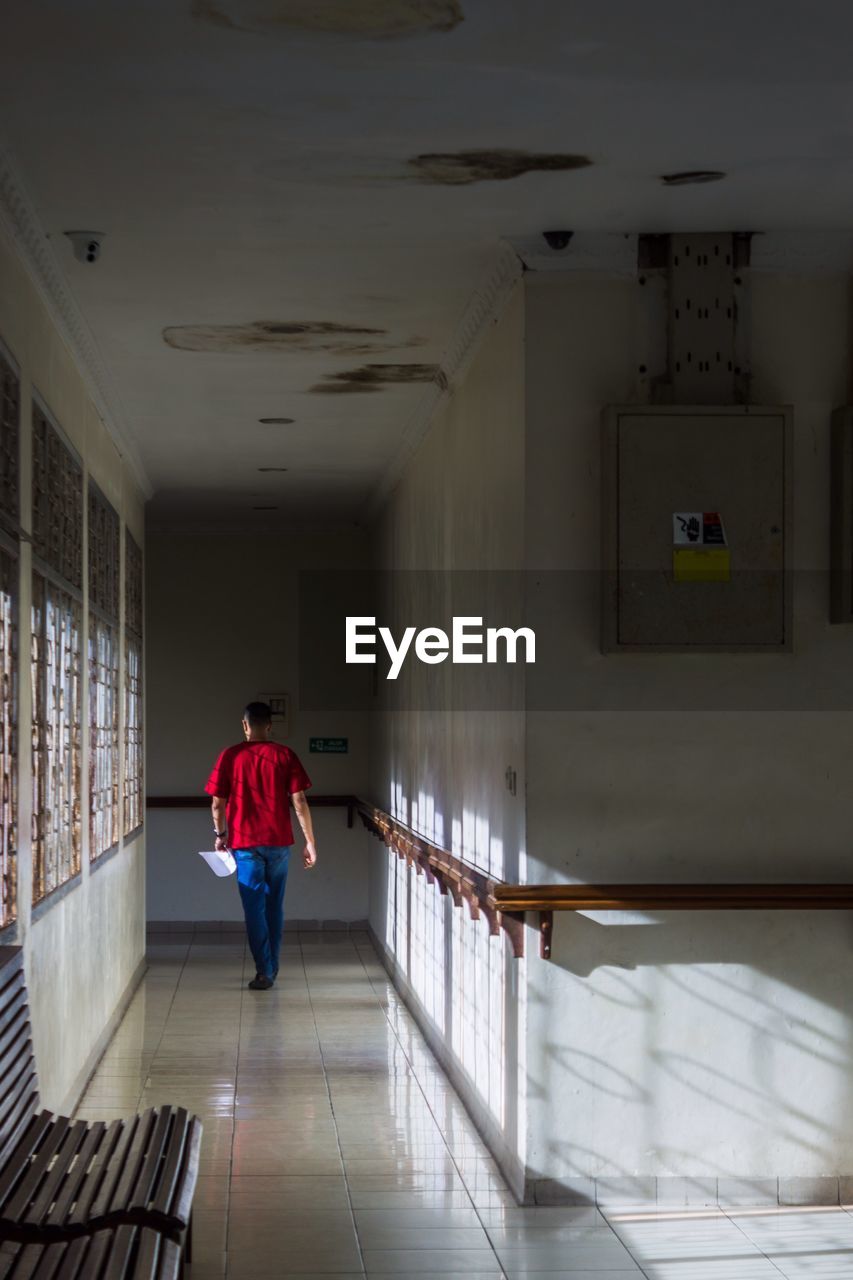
(374, 19)
(459, 168)
(374, 377)
(285, 335)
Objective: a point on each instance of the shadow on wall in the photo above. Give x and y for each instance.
(456, 971)
(694, 1052)
(471, 837)
(589, 940)
(716, 1045)
(454, 967)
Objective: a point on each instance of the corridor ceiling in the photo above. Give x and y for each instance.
(298, 194)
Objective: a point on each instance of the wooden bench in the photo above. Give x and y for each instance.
(62, 1180)
(106, 1255)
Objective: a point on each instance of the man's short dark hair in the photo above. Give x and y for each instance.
(258, 714)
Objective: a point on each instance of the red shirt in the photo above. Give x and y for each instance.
(258, 779)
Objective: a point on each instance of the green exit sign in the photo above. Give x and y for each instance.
(329, 746)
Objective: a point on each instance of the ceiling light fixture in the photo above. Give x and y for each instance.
(692, 177)
(276, 422)
(272, 468)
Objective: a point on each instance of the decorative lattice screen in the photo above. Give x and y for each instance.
(103, 554)
(56, 663)
(133, 697)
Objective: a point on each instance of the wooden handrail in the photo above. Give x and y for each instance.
(464, 883)
(504, 906)
(674, 897)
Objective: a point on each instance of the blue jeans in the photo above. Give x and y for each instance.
(262, 879)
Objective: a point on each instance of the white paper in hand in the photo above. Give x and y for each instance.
(221, 863)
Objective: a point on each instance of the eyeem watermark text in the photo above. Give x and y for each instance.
(467, 643)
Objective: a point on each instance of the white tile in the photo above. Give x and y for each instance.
(333, 1063)
(407, 1262)
(412, 1237)
(557, 1255)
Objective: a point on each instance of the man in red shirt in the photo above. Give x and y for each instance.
(252, 785)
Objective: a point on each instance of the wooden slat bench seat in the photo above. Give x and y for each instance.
(62, 1179)
(126, 1253)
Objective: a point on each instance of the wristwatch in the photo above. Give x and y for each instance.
(220, 835)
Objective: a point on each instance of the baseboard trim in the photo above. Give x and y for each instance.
(81, 1081)
(672, 1192)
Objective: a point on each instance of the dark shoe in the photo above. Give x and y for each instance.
(260, 983)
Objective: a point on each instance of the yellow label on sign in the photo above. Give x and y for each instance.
(701, 564)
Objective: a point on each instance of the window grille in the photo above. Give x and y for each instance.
(133, 585)
(57, 502)
(10, 410)
(57, 698)
(133, 704)
(104, 543)
(56, 661)
(9, 731)
(133, 777)
(103, 728)
(103, 555)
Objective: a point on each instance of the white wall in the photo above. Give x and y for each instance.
(181, 888)
(685, 1056)
(713, 1045)
(223, 627)
(458, 507)
(83, 949)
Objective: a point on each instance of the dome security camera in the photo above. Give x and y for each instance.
(557, 239)
(86, 244)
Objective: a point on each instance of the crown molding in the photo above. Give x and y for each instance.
(20, 222)
(604, 253)
(482, 312)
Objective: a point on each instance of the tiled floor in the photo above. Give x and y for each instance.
(335, 1146)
